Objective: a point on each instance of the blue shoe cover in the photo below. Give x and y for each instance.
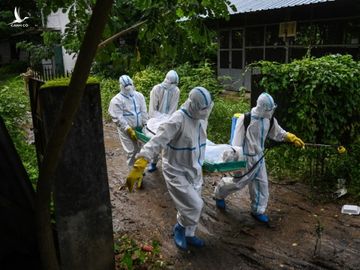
(152, 167)
(220, 203)
(261, 217)
(179, 237)
(195, 241)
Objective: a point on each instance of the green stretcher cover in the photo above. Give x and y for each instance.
(208, 167)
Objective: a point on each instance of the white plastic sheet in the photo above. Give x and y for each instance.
(214, 153)
(220, 153)
(153, 124)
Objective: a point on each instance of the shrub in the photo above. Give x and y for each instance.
(219, 127)
(318, 100)
(319, 97)
(109, 88)
(14, 105)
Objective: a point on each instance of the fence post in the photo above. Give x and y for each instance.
(81, 191)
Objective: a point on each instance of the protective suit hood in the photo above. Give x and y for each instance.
(265, 106)
(171, 80)
(126, 85)
(199, 104)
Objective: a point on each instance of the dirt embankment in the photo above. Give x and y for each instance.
(304, 235)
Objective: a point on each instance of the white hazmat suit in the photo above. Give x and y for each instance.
(253, 146)
(183, 140)
(164, 97)
(128, 110)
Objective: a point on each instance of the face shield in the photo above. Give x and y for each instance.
(126, 84)
(265, 106)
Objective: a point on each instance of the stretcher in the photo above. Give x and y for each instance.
(208, 167)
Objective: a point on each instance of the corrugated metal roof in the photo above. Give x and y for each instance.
(244, 6)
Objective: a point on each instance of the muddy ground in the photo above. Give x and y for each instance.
(234, 240)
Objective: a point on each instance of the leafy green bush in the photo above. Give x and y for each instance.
(318, 97)
(318, 100)
(190, 77)
(14, 105)
(109, 88)
(146, 79)
(219, 127)
(202, 75)
(347, 166)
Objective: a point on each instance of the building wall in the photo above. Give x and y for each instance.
(58, 21)
(249, 37)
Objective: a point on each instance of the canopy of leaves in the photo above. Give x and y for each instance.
(174, 32)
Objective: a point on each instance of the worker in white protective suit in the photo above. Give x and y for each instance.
(164, 98)
(182, 139)
(252, 140)
(128, 111)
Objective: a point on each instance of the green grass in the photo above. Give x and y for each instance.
(14, 108)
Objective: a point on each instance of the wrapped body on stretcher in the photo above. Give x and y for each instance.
(214, 153)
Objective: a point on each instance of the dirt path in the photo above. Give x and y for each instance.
(234, 240)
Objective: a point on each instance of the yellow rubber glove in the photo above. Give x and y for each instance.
(131, 133)
(136, 173)
(341, 149)
(289, 137)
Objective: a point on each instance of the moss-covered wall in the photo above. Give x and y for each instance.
(65, 82)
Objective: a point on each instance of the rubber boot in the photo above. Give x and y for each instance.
(179, 237)
(220, 203)
(152, 167)
(195, 241)
(261, 217)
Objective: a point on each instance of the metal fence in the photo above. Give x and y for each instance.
(49, 73)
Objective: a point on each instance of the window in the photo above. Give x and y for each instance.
(253, 55)
(352, 32)
(275, 54)
(236, 59)
(297, 53)
(237, 39)
(224, 40)
(254, 36)
(332, 32)
(231, 44)
(224, 59)
(272, 36)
